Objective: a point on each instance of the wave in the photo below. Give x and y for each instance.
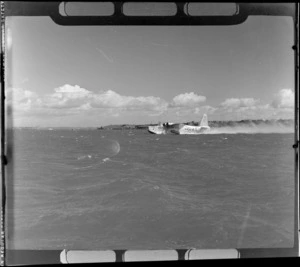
(102, 151)
(84, 157)
(251, 126)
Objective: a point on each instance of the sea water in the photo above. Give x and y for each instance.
(128, 189)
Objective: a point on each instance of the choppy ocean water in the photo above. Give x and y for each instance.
(128, 189)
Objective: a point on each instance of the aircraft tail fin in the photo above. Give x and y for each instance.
(204, 121)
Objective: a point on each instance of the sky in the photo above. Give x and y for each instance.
(91, 76)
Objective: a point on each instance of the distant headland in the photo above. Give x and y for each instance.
(212, 124)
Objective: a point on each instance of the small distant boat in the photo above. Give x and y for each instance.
(181, 128)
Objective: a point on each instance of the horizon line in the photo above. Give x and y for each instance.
(136, 124)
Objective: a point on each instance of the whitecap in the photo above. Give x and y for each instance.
(84, 157)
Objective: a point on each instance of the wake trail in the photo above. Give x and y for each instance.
(252, 127)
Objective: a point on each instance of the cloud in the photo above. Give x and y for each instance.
(280, 106)
(67, 96)
(73, 91)
(187, 100)
(239, 103)
(284, 99)
(19, 95)
(204, 109)
(111, 99)
(77, 101)
(21, 99)
(69, 99)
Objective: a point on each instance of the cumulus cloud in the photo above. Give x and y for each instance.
(19, 95)
(67, 96)
(204, 109)
(188, 100)
(280, 106)
(74, 99)
(239, 102)
(21, 99)
(72, 91)
(111, 99)
(284, 99)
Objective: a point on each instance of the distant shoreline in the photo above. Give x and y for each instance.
(213, 124)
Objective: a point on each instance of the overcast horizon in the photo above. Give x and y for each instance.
(96, 76)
